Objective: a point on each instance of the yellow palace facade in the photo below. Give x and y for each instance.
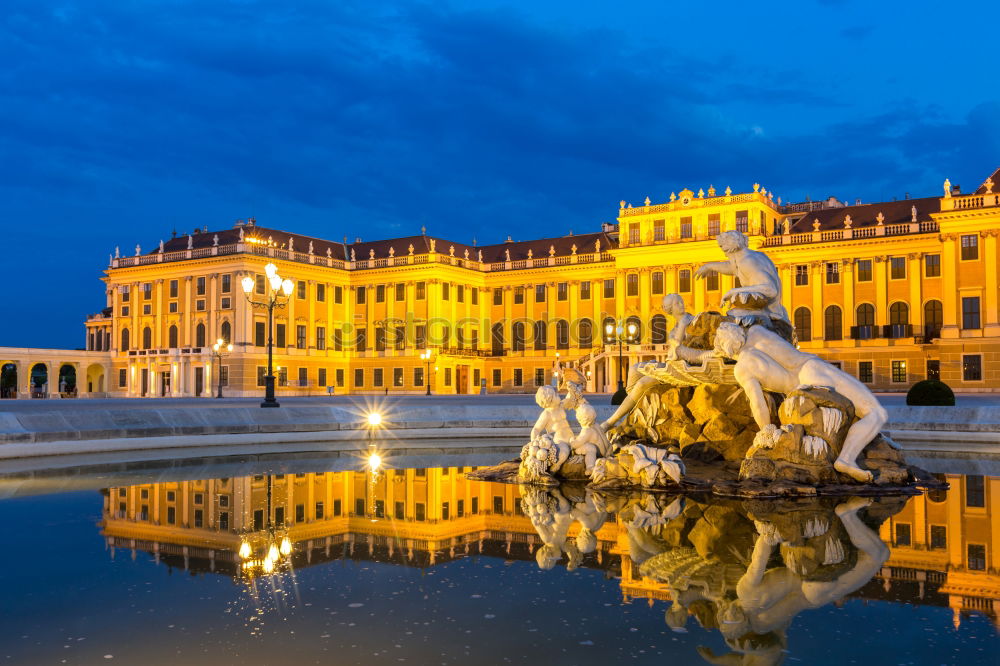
(894, 292)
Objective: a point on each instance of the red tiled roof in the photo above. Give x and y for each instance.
(866, 215)
(995, 177)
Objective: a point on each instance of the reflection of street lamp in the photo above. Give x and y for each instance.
(220, 349)
(426, 356)
(621, 333)
(272, 549)
(276, 294)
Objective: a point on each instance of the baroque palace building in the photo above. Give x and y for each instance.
(893, 292)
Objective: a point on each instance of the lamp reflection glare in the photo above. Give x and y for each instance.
(374, 419)
(286, 546)
(374, 462)
(268, 565)
(272, 553)
(245, 550)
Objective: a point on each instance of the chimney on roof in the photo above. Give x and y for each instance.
(357, 239)
(251, 221)
(956, 190)
(857, 202)
(907, 195)
(509, 240)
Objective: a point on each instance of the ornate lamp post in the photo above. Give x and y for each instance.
(426, 356)
(620, 332)
(220, 349)
(276, 294)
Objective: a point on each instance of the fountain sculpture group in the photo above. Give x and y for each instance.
(736, 408)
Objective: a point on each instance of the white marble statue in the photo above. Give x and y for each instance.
(551, 438)
(591, 442)
(760, 287)
(766, 362)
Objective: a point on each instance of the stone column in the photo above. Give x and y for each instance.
(949, 286)
(213, 309)
(619, 295)
(645, 300)
(188, 314)
(990, 305)
(847, 279)
(881, 291)
(818, 315)
(915, 276)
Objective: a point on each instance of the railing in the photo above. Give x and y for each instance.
(970, 201)
(696, 202)
(865, 332)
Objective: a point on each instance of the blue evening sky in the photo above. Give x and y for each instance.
(122, 120)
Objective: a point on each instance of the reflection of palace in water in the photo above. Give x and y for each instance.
(943, 544)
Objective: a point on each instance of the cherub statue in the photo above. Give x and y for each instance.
(591, 442)
(767, 362)
(552, 420)
(551, 437)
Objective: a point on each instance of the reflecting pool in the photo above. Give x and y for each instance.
(291, 561)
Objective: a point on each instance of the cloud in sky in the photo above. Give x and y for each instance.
(122, 121)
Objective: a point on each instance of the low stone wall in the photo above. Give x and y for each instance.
(63, 431)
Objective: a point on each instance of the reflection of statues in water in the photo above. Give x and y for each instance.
(552, 515)
(638, 382)
(760, 287)
(766, 362)
(768, 599)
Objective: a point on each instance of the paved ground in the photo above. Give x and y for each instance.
(888, 399)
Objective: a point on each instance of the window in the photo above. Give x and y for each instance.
(898, 372)
(497, 504)
(147, 338)
(687, 229)
(337, 508)
(122, 378)
(300, 513)
(147, 291)
(362, 339)
(833, 328)
(397, 376)
(902, 534)
(970, 312)
(172, 337)
(933, 368)
(562, 291)
(319, 510)
(518, 377)
(340, 376)
(171, 515)
(320, 292)
(933, 319)
(147, 309)
(939, 537)
(321, 378)
(279, 335)
(338, 294)
(899, 320)
(418, 376)
(400, 341)
(200, 286)
(539, 293)
(260, 286)
(801, 275)
(866, 374)
(518, 295)
(420, 511)
(497, 296)
(977, 557)
(741, 221)
(585, 333)
(864, 270)
(320, 337)
(460, 508)
(540, 336)
(475, 503)
(377, 377)
(359, 377)
(300, 336)
(300, 289)
(932, 265)
(684, 280)
(712, 281)
(400, 292)
(421, 290)
(399, 511)
(658, 329)
(445, 511)
(447, 376)
(803, 324)
(225, 303)
(261, 375)
(124, 342)
(659, 230)
(632, 285)
(124, 311)
(380, 293)
(713, 224)
(832, 272)
(970, 247)
(303, 377)
(562, 334)
(657, 282)
(474, 291)
(359, 295)
(633, 234)
(518, 337)
(199, 305)
(445, 291)
(897, 268)
(972, 367)
(609, 289)
(497, 377)
(125, 291)
(585, 291)
(379, 338)
(173, 289)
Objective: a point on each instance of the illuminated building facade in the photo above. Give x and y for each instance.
(893, 292)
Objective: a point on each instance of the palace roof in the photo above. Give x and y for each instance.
(995, 179)
(866, 215)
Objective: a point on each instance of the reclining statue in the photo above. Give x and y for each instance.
(766, 362)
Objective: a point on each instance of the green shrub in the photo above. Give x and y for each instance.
(930, 392)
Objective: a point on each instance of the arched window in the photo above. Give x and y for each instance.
(562, 334)
(540, 336)
(637, 336)
(226, 332)
(803, 324)
(585, 333)
(865, 317)
(866, 314)
(147, 338)
(518, 337)
(199, 335)
(933, 319)
(172, 337)
(899, 320)
(658, 329)
(124, 344)
(496, 338)
(833, 328)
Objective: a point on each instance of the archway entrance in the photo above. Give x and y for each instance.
(39, 380)
(8, 381)
(67, 380)
(95, 379)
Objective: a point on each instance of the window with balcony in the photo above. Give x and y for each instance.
(899, 321)
(865, 318)
(933, 319)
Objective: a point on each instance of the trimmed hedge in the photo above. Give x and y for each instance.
(931, 393)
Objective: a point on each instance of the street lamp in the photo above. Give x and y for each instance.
(276, 294)
(426, 357)
(620, 332)
(220, 349)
